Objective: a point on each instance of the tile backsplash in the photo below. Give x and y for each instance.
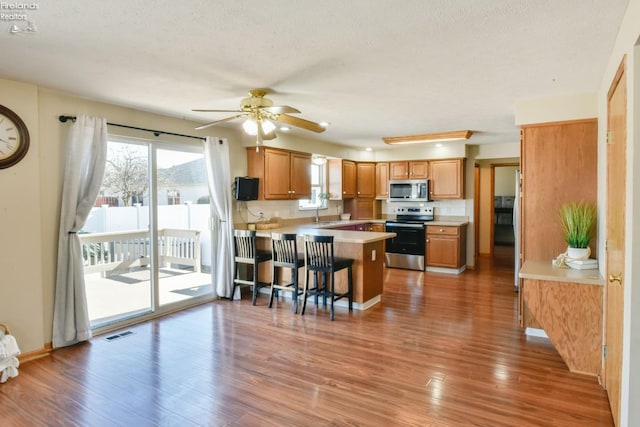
(441, 207)
(245, 212)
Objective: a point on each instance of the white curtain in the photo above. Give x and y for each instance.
(216, 153)
(84, 170)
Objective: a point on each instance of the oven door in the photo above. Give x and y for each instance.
(409, 240)
(407, 249)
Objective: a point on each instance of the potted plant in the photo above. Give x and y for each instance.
(578, 221)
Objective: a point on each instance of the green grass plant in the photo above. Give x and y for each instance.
(578, 221)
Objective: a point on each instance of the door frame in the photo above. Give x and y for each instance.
(615, 250)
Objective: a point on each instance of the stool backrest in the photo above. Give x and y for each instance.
(318, 252)
(285, 249)
(245, 245)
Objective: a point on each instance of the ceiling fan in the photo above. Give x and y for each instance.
(260, 113)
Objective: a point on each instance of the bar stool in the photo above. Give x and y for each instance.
(319, 259)
(284, 248)
(246, 253)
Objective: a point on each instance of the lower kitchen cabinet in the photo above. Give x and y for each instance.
(446, 246)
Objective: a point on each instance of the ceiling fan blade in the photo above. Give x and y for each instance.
(281, 109)
(218, 111)
(228, 119)
(301, 123)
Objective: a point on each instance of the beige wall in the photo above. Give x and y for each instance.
(556, 109)
(505, 180)
(21, 290)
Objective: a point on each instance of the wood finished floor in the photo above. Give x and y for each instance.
(438, 350)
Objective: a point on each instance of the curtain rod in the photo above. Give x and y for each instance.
(64, 119)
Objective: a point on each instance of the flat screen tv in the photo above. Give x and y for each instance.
(246, 188)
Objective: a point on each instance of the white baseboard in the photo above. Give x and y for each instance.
(535, 332)
(447, 270)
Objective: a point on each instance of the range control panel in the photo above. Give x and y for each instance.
(413, 210)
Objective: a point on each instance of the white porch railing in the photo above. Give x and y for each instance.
(121, 250)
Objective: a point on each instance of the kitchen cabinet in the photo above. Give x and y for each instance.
(361, 208)
(341, 179)
(446, 246)
(447, 178)
(366, 180)
(377, 227)
(382, 180)
(409, 170)
(282, 174)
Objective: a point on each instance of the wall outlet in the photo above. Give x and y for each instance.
(373, 255)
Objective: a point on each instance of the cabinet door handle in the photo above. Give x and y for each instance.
(441, 230)
(427, 241)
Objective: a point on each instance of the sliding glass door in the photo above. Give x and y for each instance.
(147, 244)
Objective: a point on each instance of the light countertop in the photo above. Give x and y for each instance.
(544, 270)
(323, 229)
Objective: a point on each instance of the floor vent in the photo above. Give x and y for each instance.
(120, 335)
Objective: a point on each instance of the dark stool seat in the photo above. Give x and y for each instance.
(247, 253)
(284, 248)
(320, 260)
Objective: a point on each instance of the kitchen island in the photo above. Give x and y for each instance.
(366, 248)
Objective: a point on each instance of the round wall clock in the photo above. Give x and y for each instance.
(14, 138)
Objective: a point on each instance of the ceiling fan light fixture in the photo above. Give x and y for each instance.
(267, 126)
(250, 126)
(429, 137)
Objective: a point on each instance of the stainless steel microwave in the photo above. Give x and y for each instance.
(408, 190)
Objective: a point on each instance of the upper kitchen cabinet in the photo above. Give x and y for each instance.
(409, 170)
(366, 180)
(382, 180)
(447, 179)
(342, 179)
(283, 174)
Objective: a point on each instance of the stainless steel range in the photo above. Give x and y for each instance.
(407, 249)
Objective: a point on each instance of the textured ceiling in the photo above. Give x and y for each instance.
(371, 68)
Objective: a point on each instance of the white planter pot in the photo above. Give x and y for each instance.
(578, 253)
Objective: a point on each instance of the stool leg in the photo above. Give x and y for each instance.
(235, 276)
(350, 283)
(332, 292)
(317, 289)
(274, 282)
(305, 290)
(294, 294)
(255, 283)
(325, 278)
